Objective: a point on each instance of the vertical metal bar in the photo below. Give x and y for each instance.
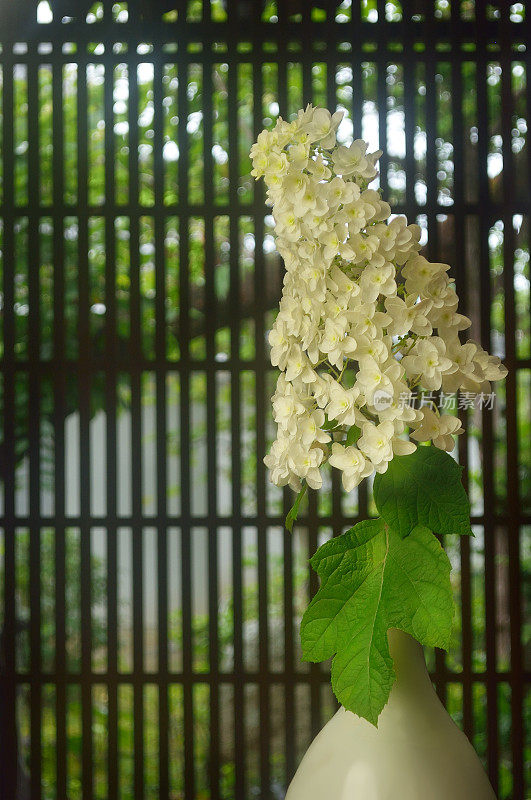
(315, 669)
(59, 384)
(433, 242)
(281, 12)
(381, 96)
(513, 504)
(289, 666)
(234, 300)
(210, 312)
(184, 343)
(9, 775)
(410, 73)
(160, 358)
(357, 85)
(136, 435)
(259, 293)
(134, 11)
(528, 111)
(84, 384)
(357, 82)
(431, 152)
(528, 242)
(407, 12)
(488, 442)
(356, 12)
(461, 287)
(306, 58)
(111, 334)
(315, 721)
(34, 419)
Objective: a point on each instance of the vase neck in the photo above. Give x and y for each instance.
(408, 660)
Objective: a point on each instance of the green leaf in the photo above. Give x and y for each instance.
(373, 580)
(423, 488)
(329, 424)
(353, 435)
(294, 510)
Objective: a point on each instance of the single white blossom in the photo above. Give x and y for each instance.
(376, 443)
(439, 429)
(342, 403)
(429, 361)
(352, 463)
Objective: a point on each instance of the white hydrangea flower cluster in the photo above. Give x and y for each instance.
(364, 318)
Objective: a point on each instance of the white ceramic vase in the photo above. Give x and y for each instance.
(416, 753)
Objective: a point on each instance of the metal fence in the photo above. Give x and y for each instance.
(151, 597)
